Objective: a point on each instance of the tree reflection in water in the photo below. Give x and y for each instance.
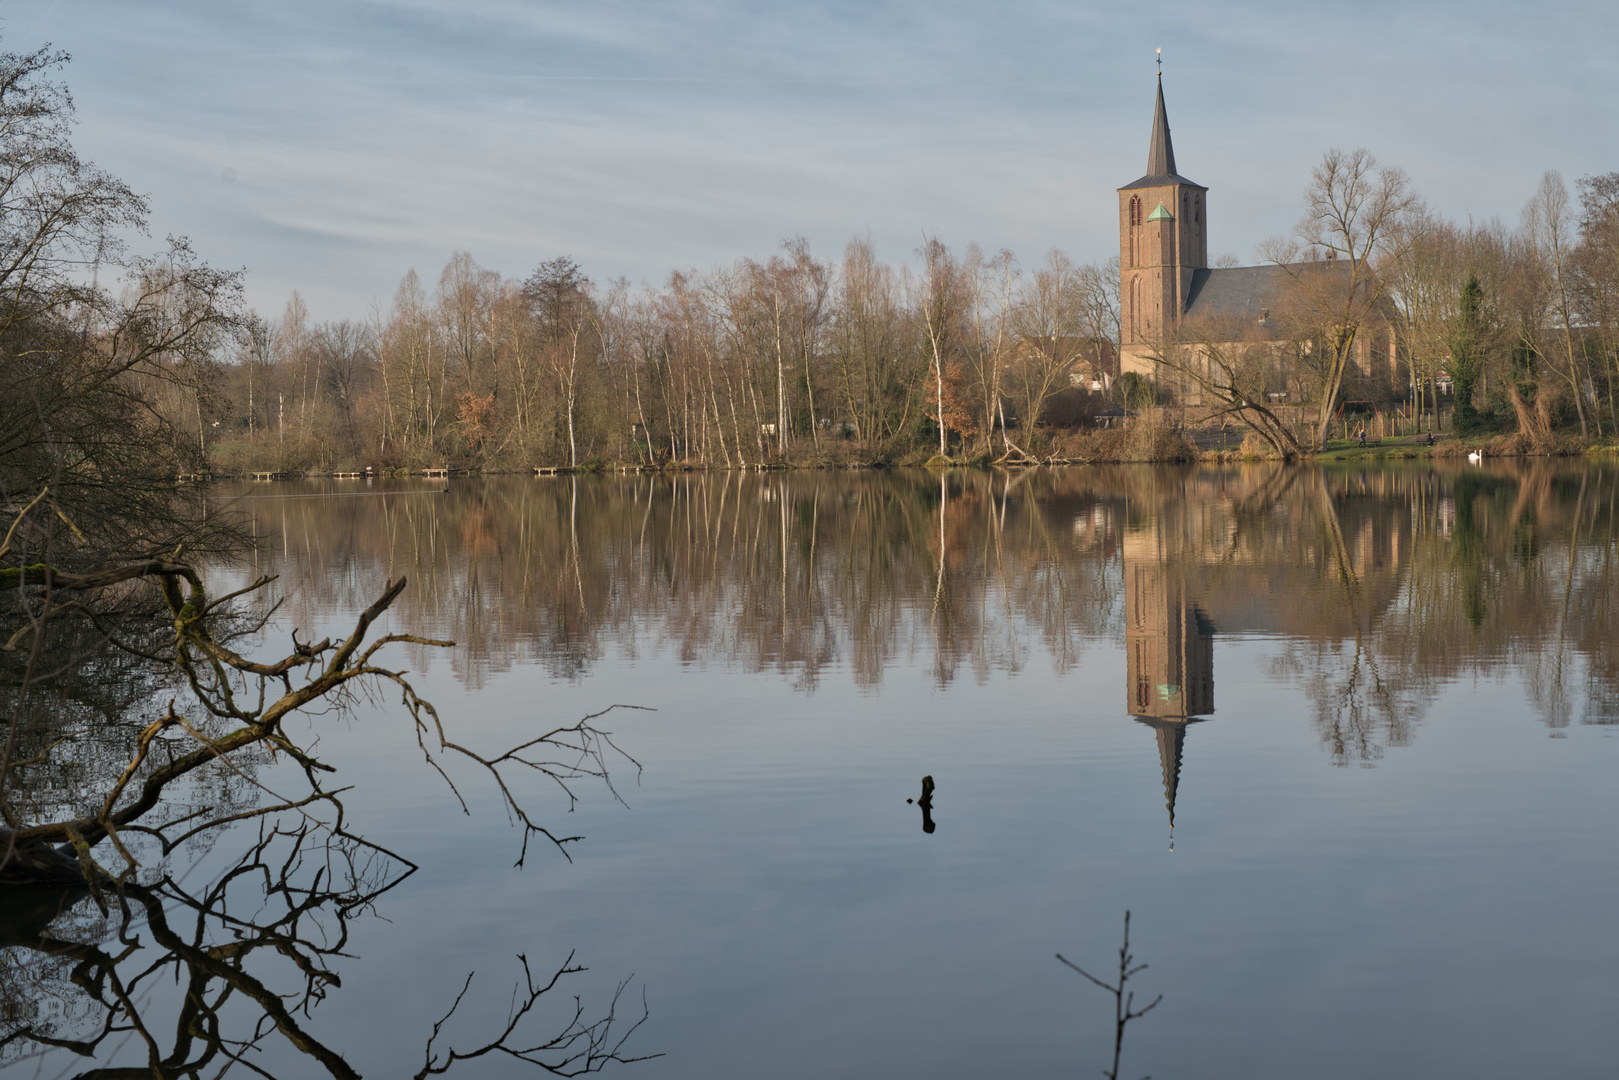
(138, 737)
(1377, 586)
(183, 982)
(1368, 590)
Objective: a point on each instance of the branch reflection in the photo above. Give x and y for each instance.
(176, 980)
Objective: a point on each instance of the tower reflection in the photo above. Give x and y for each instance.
(1169, 650)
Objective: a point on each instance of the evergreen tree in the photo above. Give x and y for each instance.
(1467, 353)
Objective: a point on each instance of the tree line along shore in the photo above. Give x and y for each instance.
(154, 366)
(1508, 343)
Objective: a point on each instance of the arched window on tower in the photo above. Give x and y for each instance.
(1197, 208)
(1135, 240)
(1135, 307)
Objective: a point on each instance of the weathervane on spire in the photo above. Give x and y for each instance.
(1160, 63)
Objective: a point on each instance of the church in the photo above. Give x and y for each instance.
(1169, 295)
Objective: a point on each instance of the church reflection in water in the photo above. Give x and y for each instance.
(1169, 650)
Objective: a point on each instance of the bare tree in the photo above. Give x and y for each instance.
(1099, 315)
(992, 285)
(940, 302)
(1426, 273)
(466, 292)
(812, 286)
(406, 352)
(292, 344)
(1333, 264)
(1056, 317)
(1124, 1000)
(1599, 274)
(1233, 369)
(60, 216)
(1548, 228)
(560, 294)
(871, 381)
(346, 357)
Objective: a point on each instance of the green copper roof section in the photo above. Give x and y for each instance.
(1160, 214)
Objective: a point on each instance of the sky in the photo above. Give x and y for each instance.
(332, 146)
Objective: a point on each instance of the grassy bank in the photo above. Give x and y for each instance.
(1139, 444)
(1461, 446)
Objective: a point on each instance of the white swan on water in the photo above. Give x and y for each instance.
(1475, 457)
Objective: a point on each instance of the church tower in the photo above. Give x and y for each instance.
(1163, 240)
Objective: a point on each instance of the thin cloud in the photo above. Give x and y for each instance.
(367, 138)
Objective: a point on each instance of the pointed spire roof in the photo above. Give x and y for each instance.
(1161, 152)
(1171, 739)
(1161, 155)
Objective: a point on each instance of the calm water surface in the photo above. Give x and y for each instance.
(1341, 740)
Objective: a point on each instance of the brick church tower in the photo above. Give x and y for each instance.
(1163, 241)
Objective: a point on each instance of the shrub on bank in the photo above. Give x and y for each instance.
(836, 454)
(1513, 444)
(1255, 448)
(1142, 442)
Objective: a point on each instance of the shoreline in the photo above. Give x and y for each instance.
(1448, 448)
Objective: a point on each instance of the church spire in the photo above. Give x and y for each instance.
(1161, 156)
(1171, 736)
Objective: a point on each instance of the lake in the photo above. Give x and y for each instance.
(1341, 740)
